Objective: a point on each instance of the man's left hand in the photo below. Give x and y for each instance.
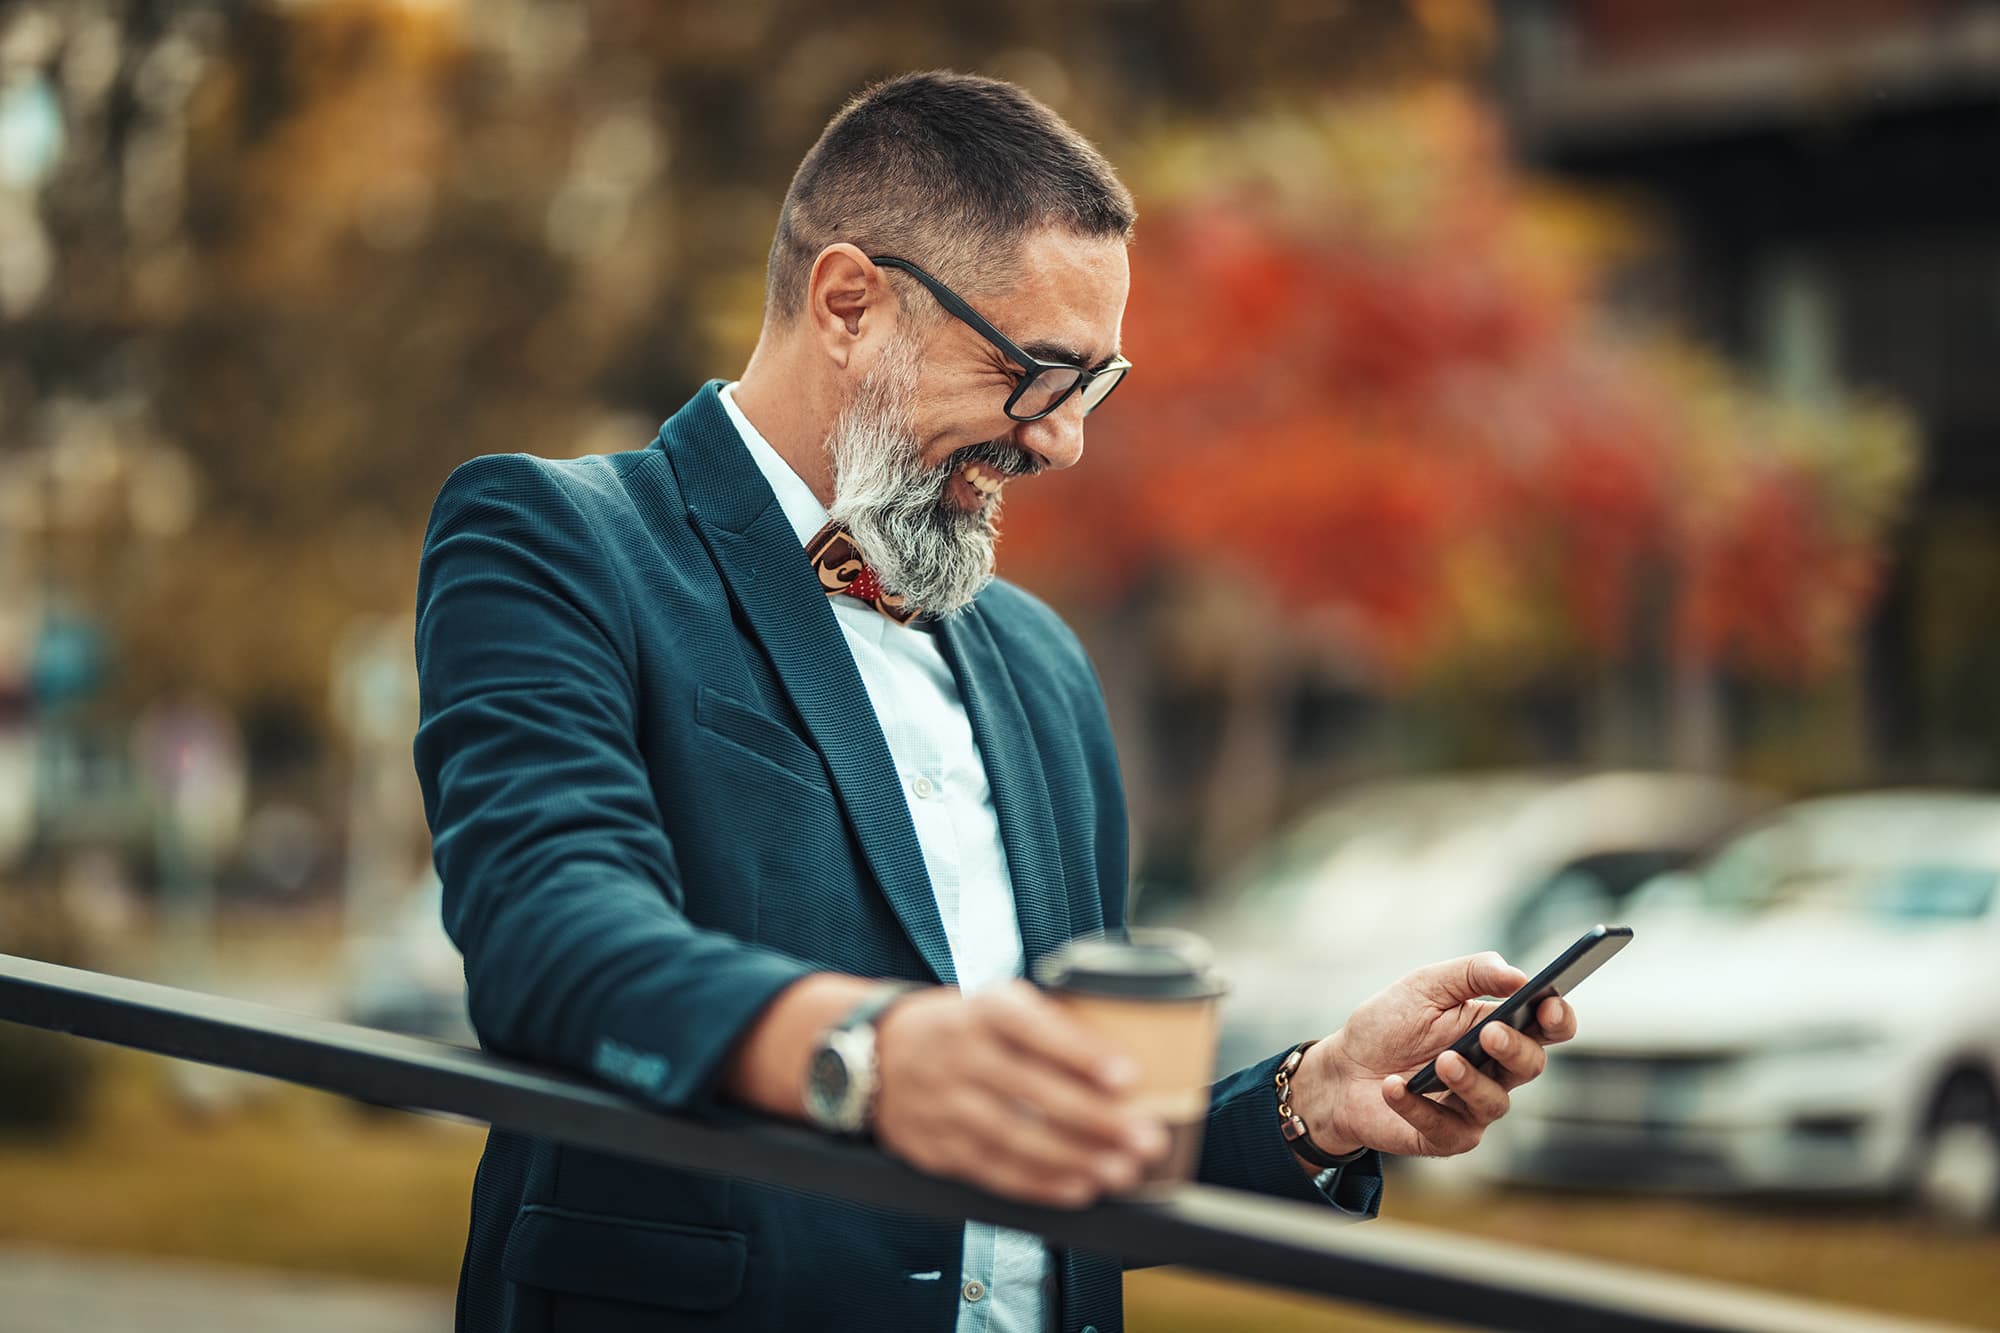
(1352, 1087)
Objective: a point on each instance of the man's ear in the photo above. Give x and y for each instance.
(850, 307)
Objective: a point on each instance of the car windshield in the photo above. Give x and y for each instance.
(1392, 827)
(1915, 892)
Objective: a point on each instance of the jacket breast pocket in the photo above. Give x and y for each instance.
(763, 737)
(662, 1265)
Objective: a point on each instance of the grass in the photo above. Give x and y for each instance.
(300, 1180)
(295, 1179)
(1887, 1263)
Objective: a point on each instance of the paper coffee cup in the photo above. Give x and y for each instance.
(1152, 994)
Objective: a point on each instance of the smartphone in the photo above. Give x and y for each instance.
(1517, 1011)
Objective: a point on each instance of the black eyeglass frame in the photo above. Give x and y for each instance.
(1031, 367)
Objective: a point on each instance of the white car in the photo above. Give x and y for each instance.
(1817, 1008)
(408, 976)
(1389, 876)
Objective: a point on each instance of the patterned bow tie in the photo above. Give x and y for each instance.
(844, 570)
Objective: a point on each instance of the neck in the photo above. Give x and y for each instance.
(792, 408)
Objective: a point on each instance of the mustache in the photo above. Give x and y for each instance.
(1007, 459)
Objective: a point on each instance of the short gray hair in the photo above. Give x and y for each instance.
(950, 171)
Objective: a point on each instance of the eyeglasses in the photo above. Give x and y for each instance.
(1045, 385)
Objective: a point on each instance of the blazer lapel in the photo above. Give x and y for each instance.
(1014, 771)
(769, 578)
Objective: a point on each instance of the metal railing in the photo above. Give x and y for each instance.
(1404, 1269)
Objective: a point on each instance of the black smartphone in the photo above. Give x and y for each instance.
(1517, 1011)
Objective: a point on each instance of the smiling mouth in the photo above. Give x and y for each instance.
(983, 478)
(976, 486)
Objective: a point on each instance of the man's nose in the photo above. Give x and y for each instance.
(1057, 439)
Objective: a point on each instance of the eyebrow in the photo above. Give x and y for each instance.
(1051, 351)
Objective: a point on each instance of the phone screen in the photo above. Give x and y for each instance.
(1517, 1011)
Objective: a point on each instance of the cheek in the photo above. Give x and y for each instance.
(950, 427)
(938, 450)
(958, 406)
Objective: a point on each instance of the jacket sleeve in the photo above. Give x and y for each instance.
(560, 884)
(1244, 1148)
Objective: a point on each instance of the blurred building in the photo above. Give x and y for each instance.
(1832, 171)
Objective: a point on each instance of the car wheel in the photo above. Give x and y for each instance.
(1958, 1168)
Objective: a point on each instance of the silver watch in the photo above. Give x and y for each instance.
(840, 1079)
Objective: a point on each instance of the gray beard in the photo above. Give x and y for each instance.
(921, 544)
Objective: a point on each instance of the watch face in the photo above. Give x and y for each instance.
(840, 1080)
(829, 1078)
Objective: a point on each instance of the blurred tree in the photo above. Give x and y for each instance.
(331, 250)
(1370, 381)
(306, 258)
(1377, 380)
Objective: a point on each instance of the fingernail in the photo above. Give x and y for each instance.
(1122, 1072)
(1147, 1140)
(1503, 1037)
(1393, 1085)
(1117, 1170)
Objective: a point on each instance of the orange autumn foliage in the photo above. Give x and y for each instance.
(1354, 412)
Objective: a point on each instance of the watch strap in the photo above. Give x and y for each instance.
(873, 1005)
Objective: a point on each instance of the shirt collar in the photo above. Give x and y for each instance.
(802, 508)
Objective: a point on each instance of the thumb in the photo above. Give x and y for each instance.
(1457, 980)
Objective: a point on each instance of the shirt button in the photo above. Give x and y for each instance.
(923, 787)
(974, 1290)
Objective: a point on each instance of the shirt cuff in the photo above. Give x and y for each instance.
(1355, 1188)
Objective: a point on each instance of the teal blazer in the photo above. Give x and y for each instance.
(658, 794)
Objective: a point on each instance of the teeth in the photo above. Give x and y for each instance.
(983, 479)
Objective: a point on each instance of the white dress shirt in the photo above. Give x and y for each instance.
(1004, 1282)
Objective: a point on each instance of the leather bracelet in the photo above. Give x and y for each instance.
(1294, 1127)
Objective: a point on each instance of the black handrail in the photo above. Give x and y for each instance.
(1408, 1270)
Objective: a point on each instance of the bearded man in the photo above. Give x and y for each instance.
(751, 787)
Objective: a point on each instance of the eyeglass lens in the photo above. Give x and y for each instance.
(1051, 386)
(1044, 390)
(1100, 388)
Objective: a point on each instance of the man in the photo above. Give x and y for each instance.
(722, 733)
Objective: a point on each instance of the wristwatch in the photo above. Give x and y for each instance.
(840, 1078)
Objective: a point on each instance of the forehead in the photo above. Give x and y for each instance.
(1069, 291)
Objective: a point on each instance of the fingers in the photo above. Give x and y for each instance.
(1052, 1096)
(1455, 1123)
(1458, 980)
(1005, 1091)
(1518, 1058)
(1557, 1020)
(1444, 1131)
(1480, 1095)
(1042, 1029)
(1554, 1021)
(968, 1149)
(1036, 1152)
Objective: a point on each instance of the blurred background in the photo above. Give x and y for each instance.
(1559, 484)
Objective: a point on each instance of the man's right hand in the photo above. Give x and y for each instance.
(1006, 1091)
